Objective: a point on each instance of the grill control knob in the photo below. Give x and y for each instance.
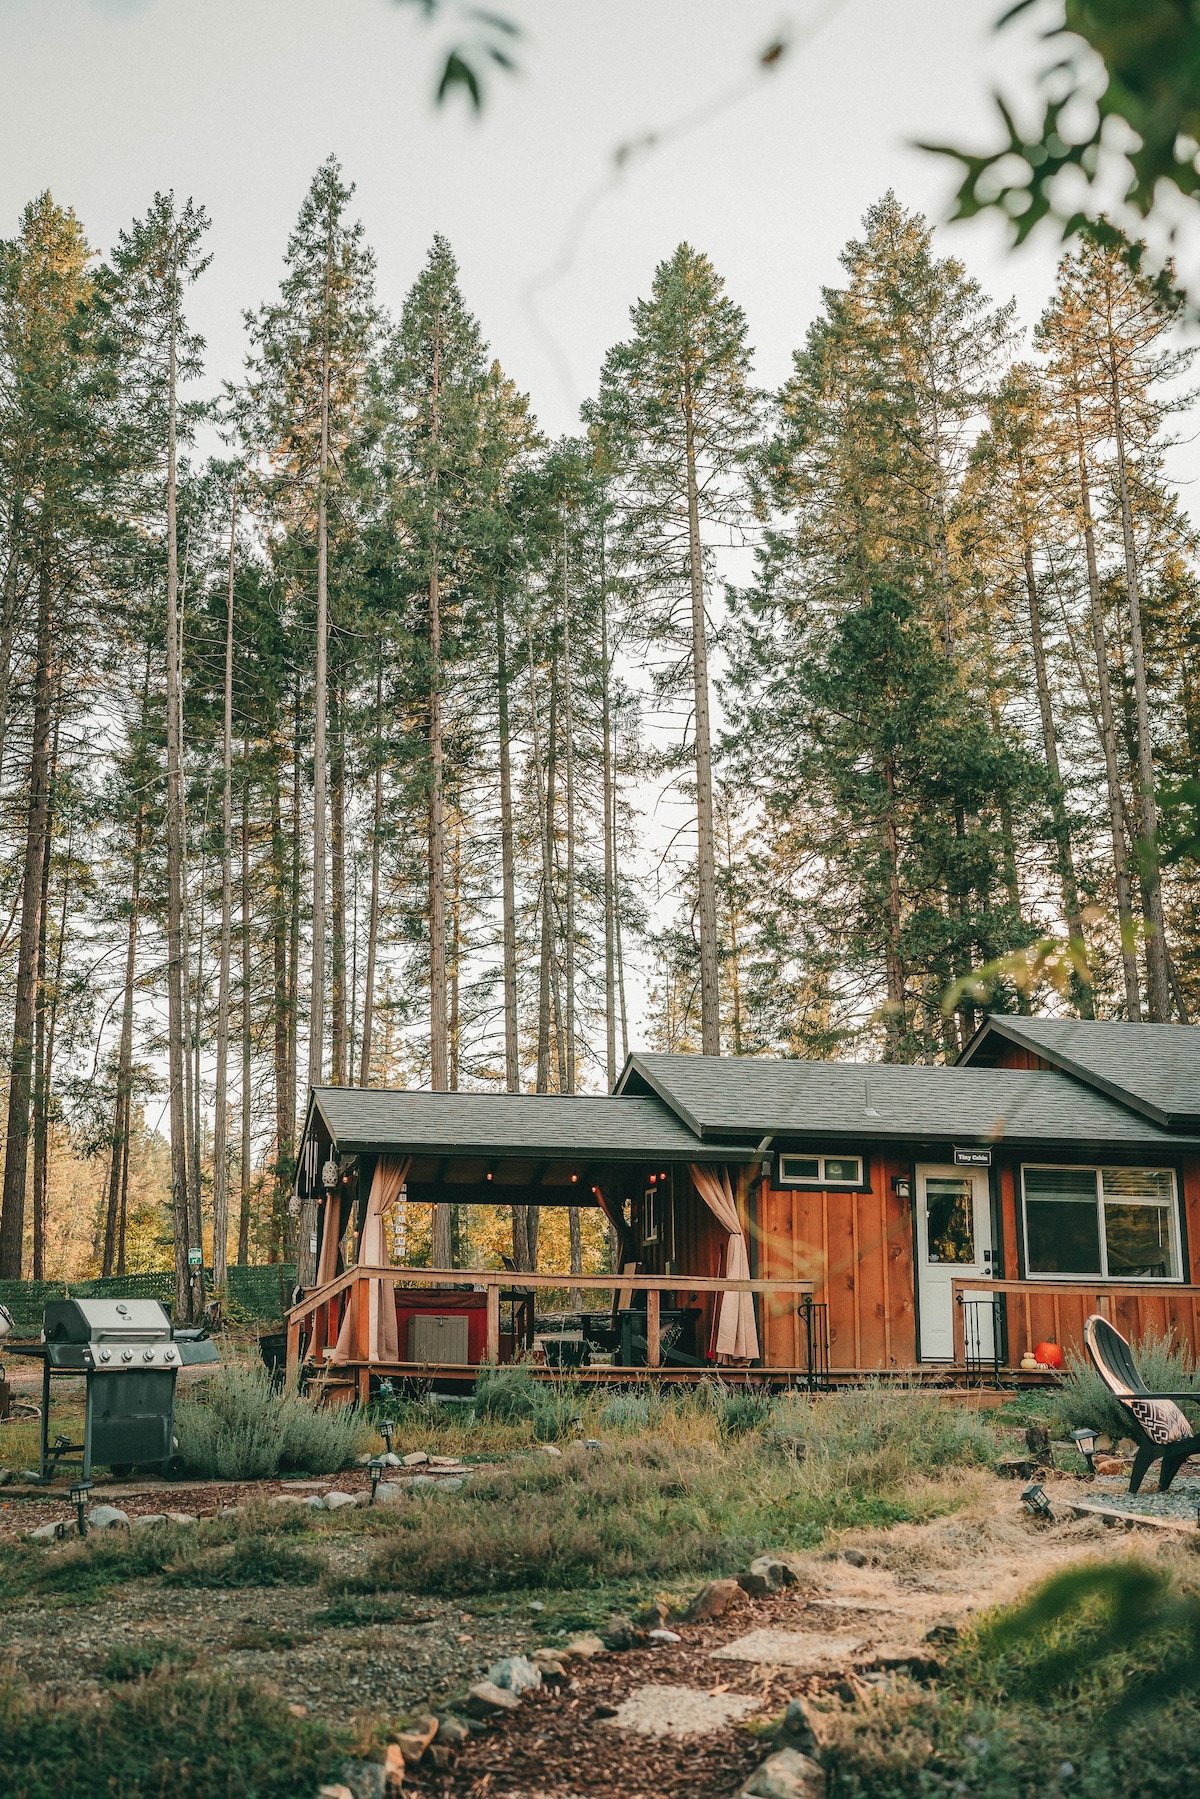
(147, 1355)
(106, 1355)
(168, 1355)
(127, 1355)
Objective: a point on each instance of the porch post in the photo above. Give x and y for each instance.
(493, 1324)
(653, 1300)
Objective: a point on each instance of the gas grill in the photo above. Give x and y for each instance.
(130, 1356)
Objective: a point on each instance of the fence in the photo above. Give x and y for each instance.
(259, 1293)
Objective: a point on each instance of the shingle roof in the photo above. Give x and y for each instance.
(871, 1102)
(541, 1125)
(1155, 1068)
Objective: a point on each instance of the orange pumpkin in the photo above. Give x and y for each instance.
(1049, 1354)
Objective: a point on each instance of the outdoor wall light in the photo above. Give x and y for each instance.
(329, 1175)
(1035, 1502)
(375, 1469)
(79, 1495)
(1084, 1440)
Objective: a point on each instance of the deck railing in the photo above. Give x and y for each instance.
(1026, 1312)
(323, 1305)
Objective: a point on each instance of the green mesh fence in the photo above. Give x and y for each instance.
(258, 1294)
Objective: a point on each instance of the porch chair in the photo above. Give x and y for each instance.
(1158, 1426)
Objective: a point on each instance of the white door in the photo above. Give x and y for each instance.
(954, 1239)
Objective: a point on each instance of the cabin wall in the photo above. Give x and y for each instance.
(1013, 1056)
(857, 1249)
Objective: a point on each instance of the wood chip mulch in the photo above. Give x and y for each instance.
(559, 1744)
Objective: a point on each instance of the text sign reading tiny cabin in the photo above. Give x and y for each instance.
(972, 1158)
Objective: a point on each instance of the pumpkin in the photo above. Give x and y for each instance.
(1049, 1355)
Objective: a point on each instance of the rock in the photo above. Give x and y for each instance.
(107, 1517)
(622, 1633)
(942, 1634)
(656, 1614)
(799, 1728)
(183, 1518)
(486, 1700)
(6, 1475)
(30, 1474)
(297, 1709)
(452, 1485)
(46, 1533)
(445, 1461)
(424, 1480)
(441, 1755)
(147, 1519)
(855, 1557)
(786, 1775)
(366, 1780)
(553, 1673)
(231, 1511)
(550, 1449)
(417, 1459)
(413, 1743)
(388, 1492)
(337, 1502)
(1014, 1467)
(582, 1649)
(766, 1575)
(393, 1767)
(663, 1636)
(390, 1459)
(334, 1790)
(516, 1672)
(287, 1499)
(451, 1730)
(713, 1601)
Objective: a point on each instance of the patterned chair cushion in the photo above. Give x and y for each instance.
(1161, 1419)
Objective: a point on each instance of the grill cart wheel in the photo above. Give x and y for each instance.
(174, 1468)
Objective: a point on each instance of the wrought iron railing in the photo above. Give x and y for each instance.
(814, 1325)
(983, 1334)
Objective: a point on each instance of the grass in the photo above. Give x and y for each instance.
(1067, 1706)
(189, 1736)
(692, 1497)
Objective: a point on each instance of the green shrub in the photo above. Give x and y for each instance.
(188, 1737)
(135, 1661)
(627, 1411)
(1084, 1400)
(512, 1395)
(251, 1561)
(240, 1427)
(740, 1411)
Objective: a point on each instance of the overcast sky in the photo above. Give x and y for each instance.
(237, 101)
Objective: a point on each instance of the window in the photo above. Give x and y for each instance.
(820, 1171)
(1118, 1223)
(650, 1215)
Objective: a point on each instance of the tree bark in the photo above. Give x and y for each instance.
(568, 678)
(41, 1053)
(337, 843)
(1108, 735)
(706, 877)
(220, 1120)
(542, 1073)
(508, 879)
(896, 1023)
(364, 1071)
(243, 1244)
(455, 1020)
(12, 1211)
(610, 858)
(122, 1107)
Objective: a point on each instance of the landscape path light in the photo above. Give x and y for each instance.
(1084, 1440)
(1034, 1500)
(79, 1496)
(386, 1427)
(375, 1469)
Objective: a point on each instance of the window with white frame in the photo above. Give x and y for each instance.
(1117, 1223)
(820, 1171)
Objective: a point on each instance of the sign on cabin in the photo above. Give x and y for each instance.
(972, 1158)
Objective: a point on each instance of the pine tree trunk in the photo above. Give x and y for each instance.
(1108, 736)
(243, 1244)
(706, 876)
(281, 1015)
(569, 744)
(12, 1212)
(293, 969)
(337, 844)
(618, 933)
(185, 1293)
(455, 950)
(123, 1104)
(196, 1028)
(1062, 829)
(560, 1040)
(542, 1075)
(305, 1253)
(1158, 982)
(735, 952)
(220, 1118)
(10, 609)
(896, 1022)
(508, 879)
(364, 1071)
(41, 1072)
(610, 859)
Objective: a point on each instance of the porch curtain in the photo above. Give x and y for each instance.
(391, 1172)
(333, 1215)
(737, 1333)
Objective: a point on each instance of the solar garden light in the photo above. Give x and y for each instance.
(79, 1494)
(386, 1427)
(1035, 1502)
(375, 1468)
(1084, 1440)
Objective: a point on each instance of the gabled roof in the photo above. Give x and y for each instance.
(757, 1097)
(1154, 1068)
(362, 1120)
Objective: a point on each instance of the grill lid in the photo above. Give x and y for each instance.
(121, 1322)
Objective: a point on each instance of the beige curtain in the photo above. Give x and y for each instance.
(737, 1333)
(383, 1346)
(334, 1225)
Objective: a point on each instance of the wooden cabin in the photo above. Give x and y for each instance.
(786, 1220)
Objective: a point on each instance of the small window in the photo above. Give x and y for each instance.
(650, 1216)
(1118, 1223)
(820, 1171)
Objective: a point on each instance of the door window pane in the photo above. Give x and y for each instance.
(949, 1221)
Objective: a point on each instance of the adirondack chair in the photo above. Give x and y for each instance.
(1157, 1425)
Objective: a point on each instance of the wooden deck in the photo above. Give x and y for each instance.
(313, 1325)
